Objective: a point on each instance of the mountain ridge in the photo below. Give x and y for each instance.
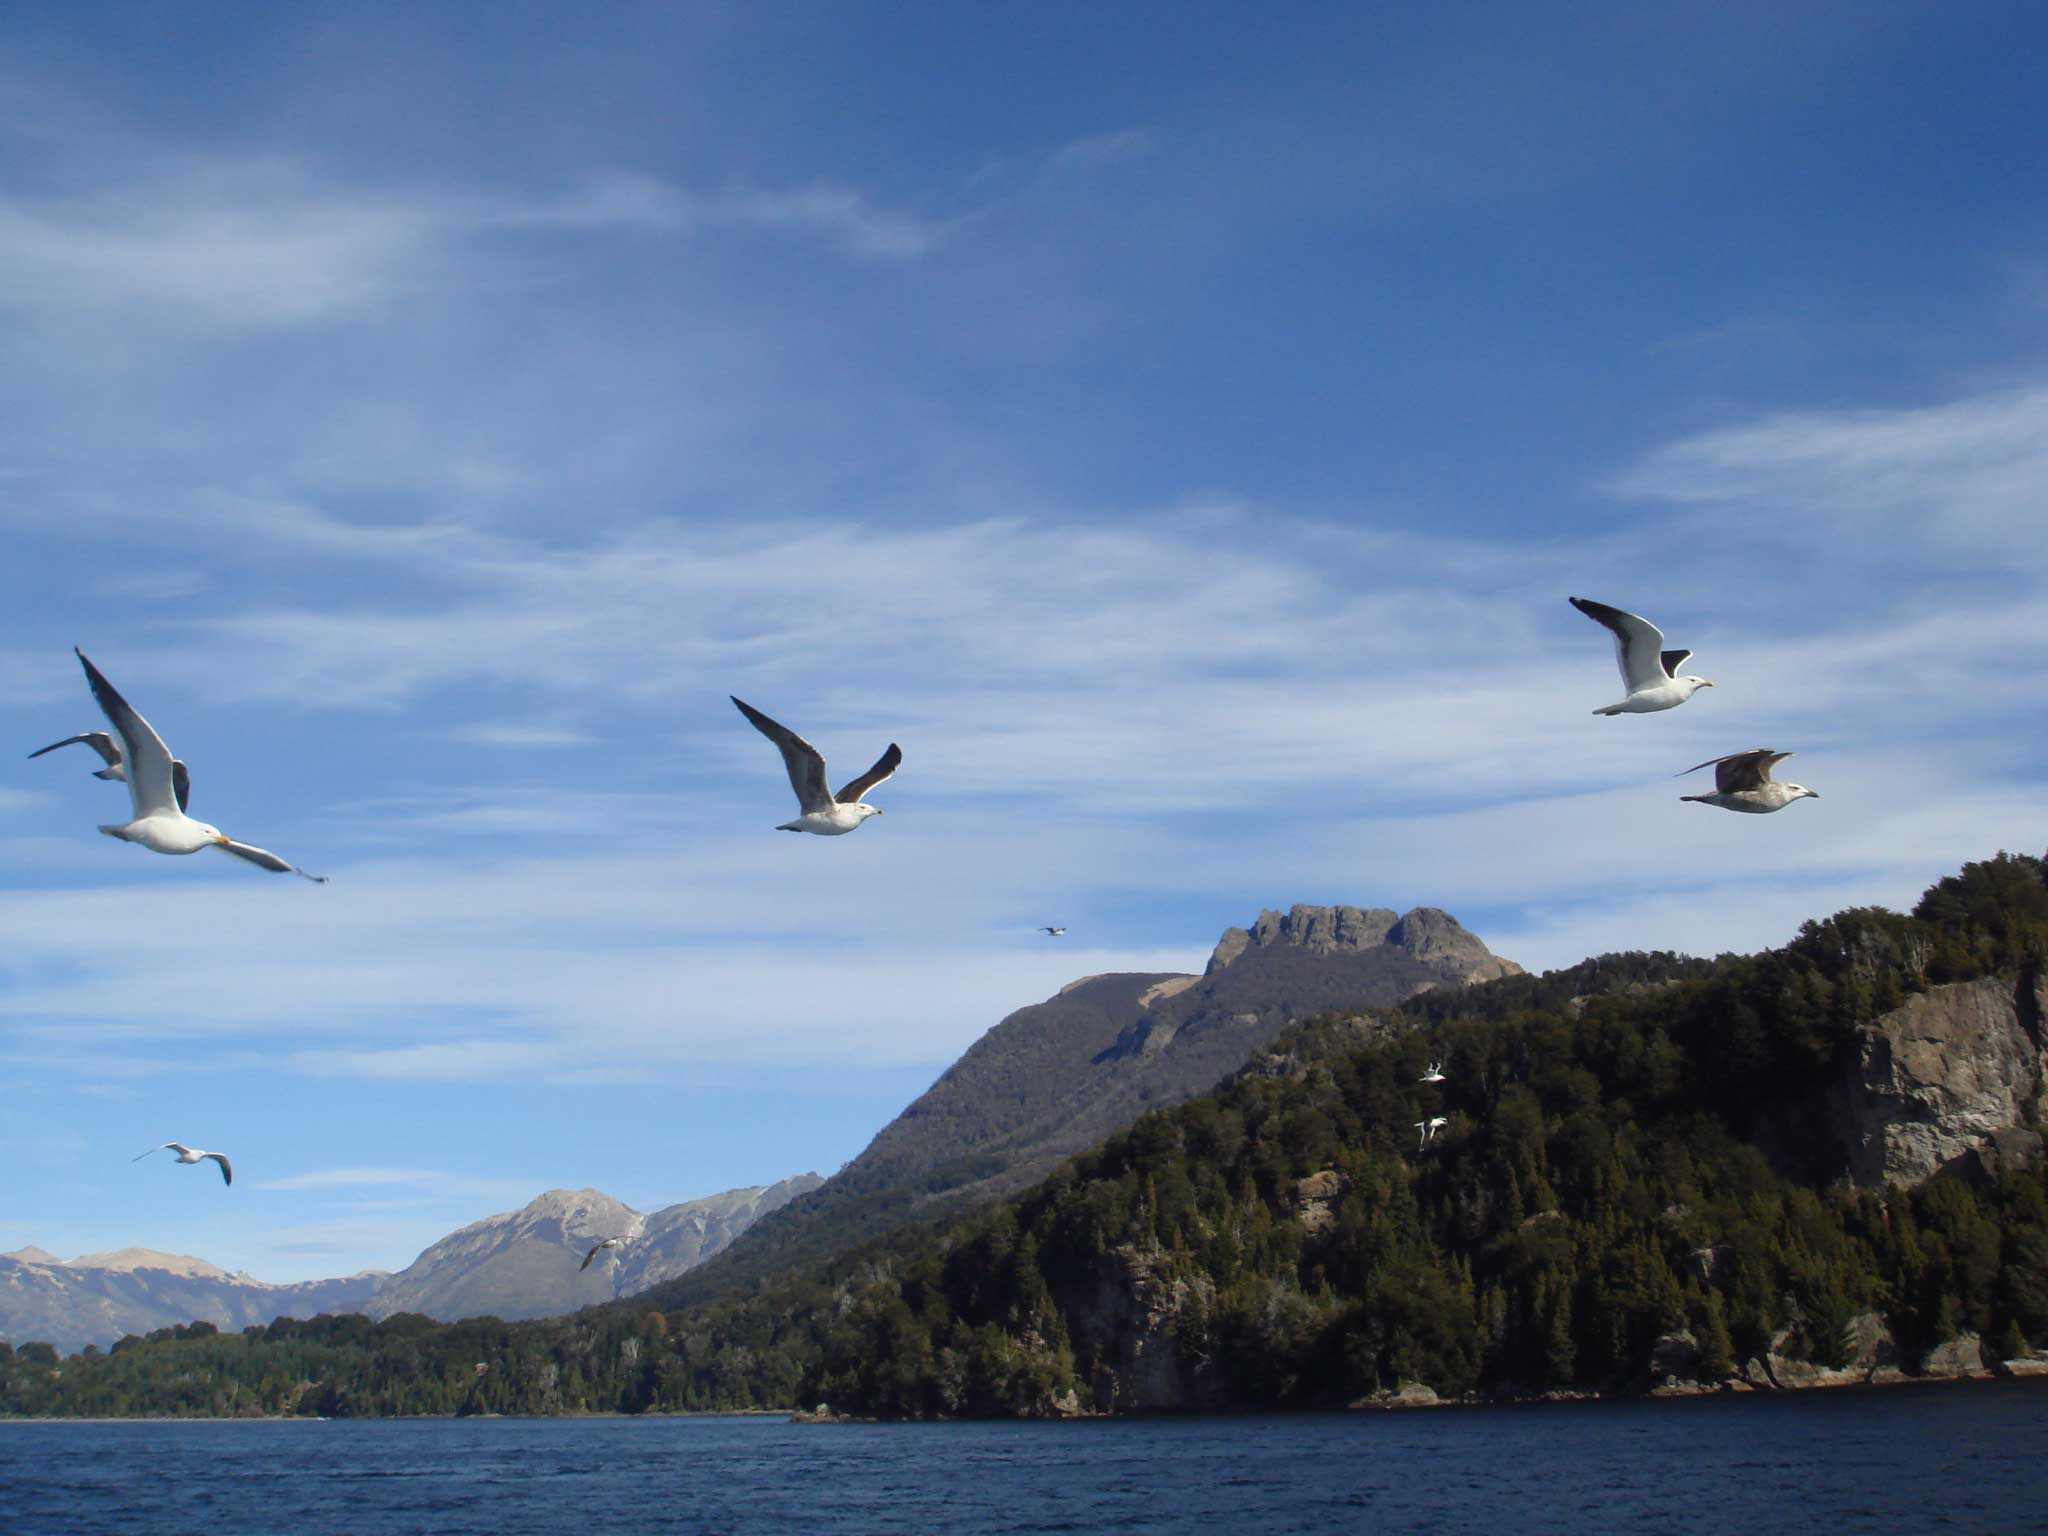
(1054, 1077)
(513, 1264)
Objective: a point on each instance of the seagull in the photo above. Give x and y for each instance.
(1742, 782)
(824, 813)
(1429, 1128)
(610, 1242)
(1650, 671)
(1054, 932)
(1435, 1074)
(152, 775)
(104, 744)
(191, 1155)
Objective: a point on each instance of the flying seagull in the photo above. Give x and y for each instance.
(1054, 932)
(1650, 671)
(610, 1242)
(1429, 1128)
(1435, 1074)
(1742, 782)
(160, 822)
(104, 744)
(824, 813)
(191, 1155)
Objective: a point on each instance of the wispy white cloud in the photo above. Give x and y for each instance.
(267, 243)
(1954, 481)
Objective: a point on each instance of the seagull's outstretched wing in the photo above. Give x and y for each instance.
(147, 760)
(138, 1157)
(1638, 644)
(885, 766)
(1740, 771)
(99, 741)
(227, 1174)
(806, 764)
(102, 743)
(263, 858)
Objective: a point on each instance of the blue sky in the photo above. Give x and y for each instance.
(1179, 428)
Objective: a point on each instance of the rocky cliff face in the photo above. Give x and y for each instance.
(1952, 1079)
(1429, 936)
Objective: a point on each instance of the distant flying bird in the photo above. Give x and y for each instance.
(824, 813)
(1055, 932)
(191, 1155)
(1742, 782)
(610, 1242)
(1435, 1074)
(160, 823)
(1429, 1128)
(1650, 671)
(103, 744)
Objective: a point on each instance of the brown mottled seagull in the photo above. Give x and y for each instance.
(1742, 782)
(824, 813)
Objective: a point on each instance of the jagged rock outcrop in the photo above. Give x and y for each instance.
(1952, 1078)
(1427, 935)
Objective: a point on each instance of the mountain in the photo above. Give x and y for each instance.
(527, 1263)
(515, 1265)
(98, 1298)
(1811, 1166)
(1060, 1075)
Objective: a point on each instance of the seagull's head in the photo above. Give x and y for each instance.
(867, 810)
(213, 834)
(1698, 682)
(1795, 791)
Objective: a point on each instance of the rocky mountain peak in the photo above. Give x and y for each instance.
(1427, 935)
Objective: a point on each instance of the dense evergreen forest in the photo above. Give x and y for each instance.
(1630, 1148)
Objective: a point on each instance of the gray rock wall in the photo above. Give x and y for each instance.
(1953, 1078)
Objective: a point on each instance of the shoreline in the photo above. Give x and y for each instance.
(1845, 1382)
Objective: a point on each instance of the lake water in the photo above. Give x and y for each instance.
(1936, 1458)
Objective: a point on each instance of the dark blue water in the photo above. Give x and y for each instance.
(1966, 1458)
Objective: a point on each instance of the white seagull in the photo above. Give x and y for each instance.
(160, 822)
(1650, 671)
(1429, 1128)
(105, 745)
(1742, 782)
(824, 813)
(610, 1242)
(1054, 932)
(1435, 1074)
(191, 1155)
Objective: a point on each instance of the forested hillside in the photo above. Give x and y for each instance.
(1633, 1147)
